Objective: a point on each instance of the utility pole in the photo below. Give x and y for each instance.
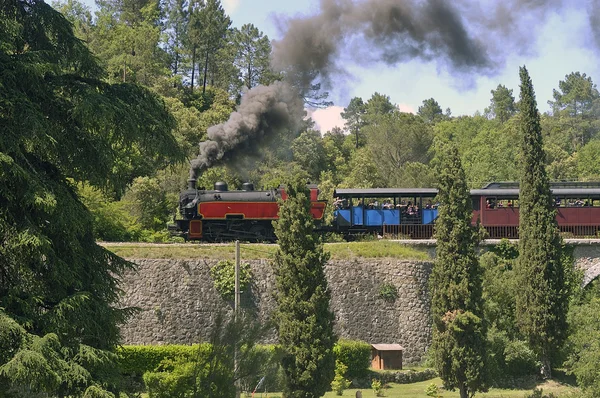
(236, 307)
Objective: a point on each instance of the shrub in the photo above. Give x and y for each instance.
(137, 360)
(223, 276)
(388, 292)
(520, 359)
(377, 387)
(433, 391)
(339, 383)
(356, 355)
(539, 393)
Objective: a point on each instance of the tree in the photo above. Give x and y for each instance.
(253, 55)
(396, 140)
(61, 125)
(309, 152)
(578, 101)
(207, 32)
(378, 105)
(588, 168)
(502, 105)
(126, 38)
(177, 20)
(542, 299)
(456, 283)
(303, 319)
(354, 116)
(431, 111)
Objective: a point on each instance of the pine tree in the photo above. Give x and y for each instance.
(541, 301)
(456, 283)
(304, 320)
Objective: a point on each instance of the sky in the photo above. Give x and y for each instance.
(563, 45)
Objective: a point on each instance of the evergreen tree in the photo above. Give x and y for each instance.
(541, 303)
(456, 283)
(253, 55)
(502, 105)
(304, 320)
(61, 124)
(431, 111)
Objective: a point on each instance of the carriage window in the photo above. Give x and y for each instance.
(508, 203)
(490, 203)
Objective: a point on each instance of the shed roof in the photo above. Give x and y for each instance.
(387, 347)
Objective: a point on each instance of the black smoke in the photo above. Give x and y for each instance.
(263, 111)
(465, 37)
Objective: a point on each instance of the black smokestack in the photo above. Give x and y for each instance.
(262, 111)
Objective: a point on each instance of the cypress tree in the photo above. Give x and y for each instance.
(304, 321)
(456, 284)
(541, 301)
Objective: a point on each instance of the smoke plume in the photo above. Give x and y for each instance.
(465, 37)
(262, 111)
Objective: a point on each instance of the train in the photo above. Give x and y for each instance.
(219, 215)
(403, 213)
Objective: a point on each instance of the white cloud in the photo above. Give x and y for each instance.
(230, 6)
(327, 118)
(406, 108)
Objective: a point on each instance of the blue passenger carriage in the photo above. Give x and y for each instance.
(397, 212)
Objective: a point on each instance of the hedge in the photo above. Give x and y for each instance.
(135, 360)
(356, 355)
(139, 359)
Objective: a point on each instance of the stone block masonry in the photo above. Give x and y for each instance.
(178, 302)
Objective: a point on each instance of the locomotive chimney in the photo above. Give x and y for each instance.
(192, 183)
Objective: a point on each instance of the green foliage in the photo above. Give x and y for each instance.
(502, 104)
(223, 276)
(210, 370)
(542, 297)
(303, 319)
(377, 387)
(456, 283)
(539, 393)
(398, 139)
(433, 391)
(339, 383)
(355, 355)
(137, 360)
(584, 342)
(506, 250)
(388, 292)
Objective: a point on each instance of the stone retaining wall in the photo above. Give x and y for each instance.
(179, 303)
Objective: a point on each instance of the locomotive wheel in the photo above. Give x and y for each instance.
(258, 233)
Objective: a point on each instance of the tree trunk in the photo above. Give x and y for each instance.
(546, 369)
(205, 72)
(462, 389)
(193, 66)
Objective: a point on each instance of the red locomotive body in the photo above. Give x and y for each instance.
(219, 214)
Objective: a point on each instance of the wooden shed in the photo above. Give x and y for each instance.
(386, 356)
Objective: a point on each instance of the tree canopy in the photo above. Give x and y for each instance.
(62, 123)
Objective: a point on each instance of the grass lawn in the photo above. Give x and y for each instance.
(339, 251)
(417, 390)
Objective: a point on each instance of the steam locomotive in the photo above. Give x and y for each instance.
(222, 215)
